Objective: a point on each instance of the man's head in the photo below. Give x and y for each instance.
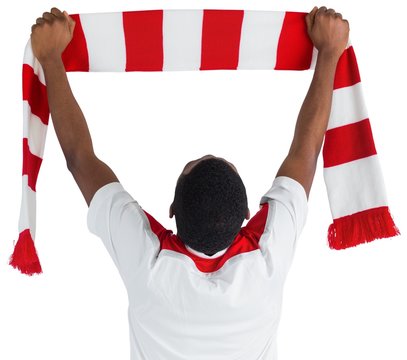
(210, 204)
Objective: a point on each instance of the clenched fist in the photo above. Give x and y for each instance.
(51, 34)
(327, 30)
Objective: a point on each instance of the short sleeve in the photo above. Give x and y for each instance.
(291, 194)
(287, 212)
(119, 221)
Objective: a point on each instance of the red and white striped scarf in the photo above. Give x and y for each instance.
(164, 40)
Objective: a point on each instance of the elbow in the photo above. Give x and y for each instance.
(77, 159)
(307, 144)
(71, 162)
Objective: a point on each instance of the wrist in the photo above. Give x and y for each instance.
(326, 65)
(329, 55)
(50, 61)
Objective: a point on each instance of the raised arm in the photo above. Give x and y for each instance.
(50, 36)
(329, 34)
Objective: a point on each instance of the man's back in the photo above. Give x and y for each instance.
(184, 304)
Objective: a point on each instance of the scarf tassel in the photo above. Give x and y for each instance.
(361, 227)
(24, 257)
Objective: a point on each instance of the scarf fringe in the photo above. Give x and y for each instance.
(24, 257)
(361, 227)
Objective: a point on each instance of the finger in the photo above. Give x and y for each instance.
(33, 27)
(40, 21)
(338, 15)
(48, 16)
(57, 12)
(314, 10)
(330, 11)
(321, 10)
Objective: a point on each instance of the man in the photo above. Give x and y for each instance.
(214, 290)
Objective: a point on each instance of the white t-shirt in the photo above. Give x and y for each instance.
(185, 305)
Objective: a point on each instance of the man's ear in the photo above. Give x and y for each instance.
(248, 214)
(171, 211)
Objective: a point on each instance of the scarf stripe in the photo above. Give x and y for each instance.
(35, 92)
(144, 40)
(294, 46)
(28, 203)
(38, 131)
(358, 180)
(347, 139)
(258, 44)
(220, 44)
(182, 33)
(348, 106)
(347, 71)
(76, 56)
(165, 40)
(105, 44)
(31, 165)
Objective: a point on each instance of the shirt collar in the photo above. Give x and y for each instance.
(202, 255)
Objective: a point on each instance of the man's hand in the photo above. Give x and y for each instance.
(327, 30)
(51, 34)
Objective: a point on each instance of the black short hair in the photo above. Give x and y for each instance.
(210, 206)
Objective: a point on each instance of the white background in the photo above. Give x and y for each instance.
(337, 304)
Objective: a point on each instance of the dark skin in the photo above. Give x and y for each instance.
(53, 32)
